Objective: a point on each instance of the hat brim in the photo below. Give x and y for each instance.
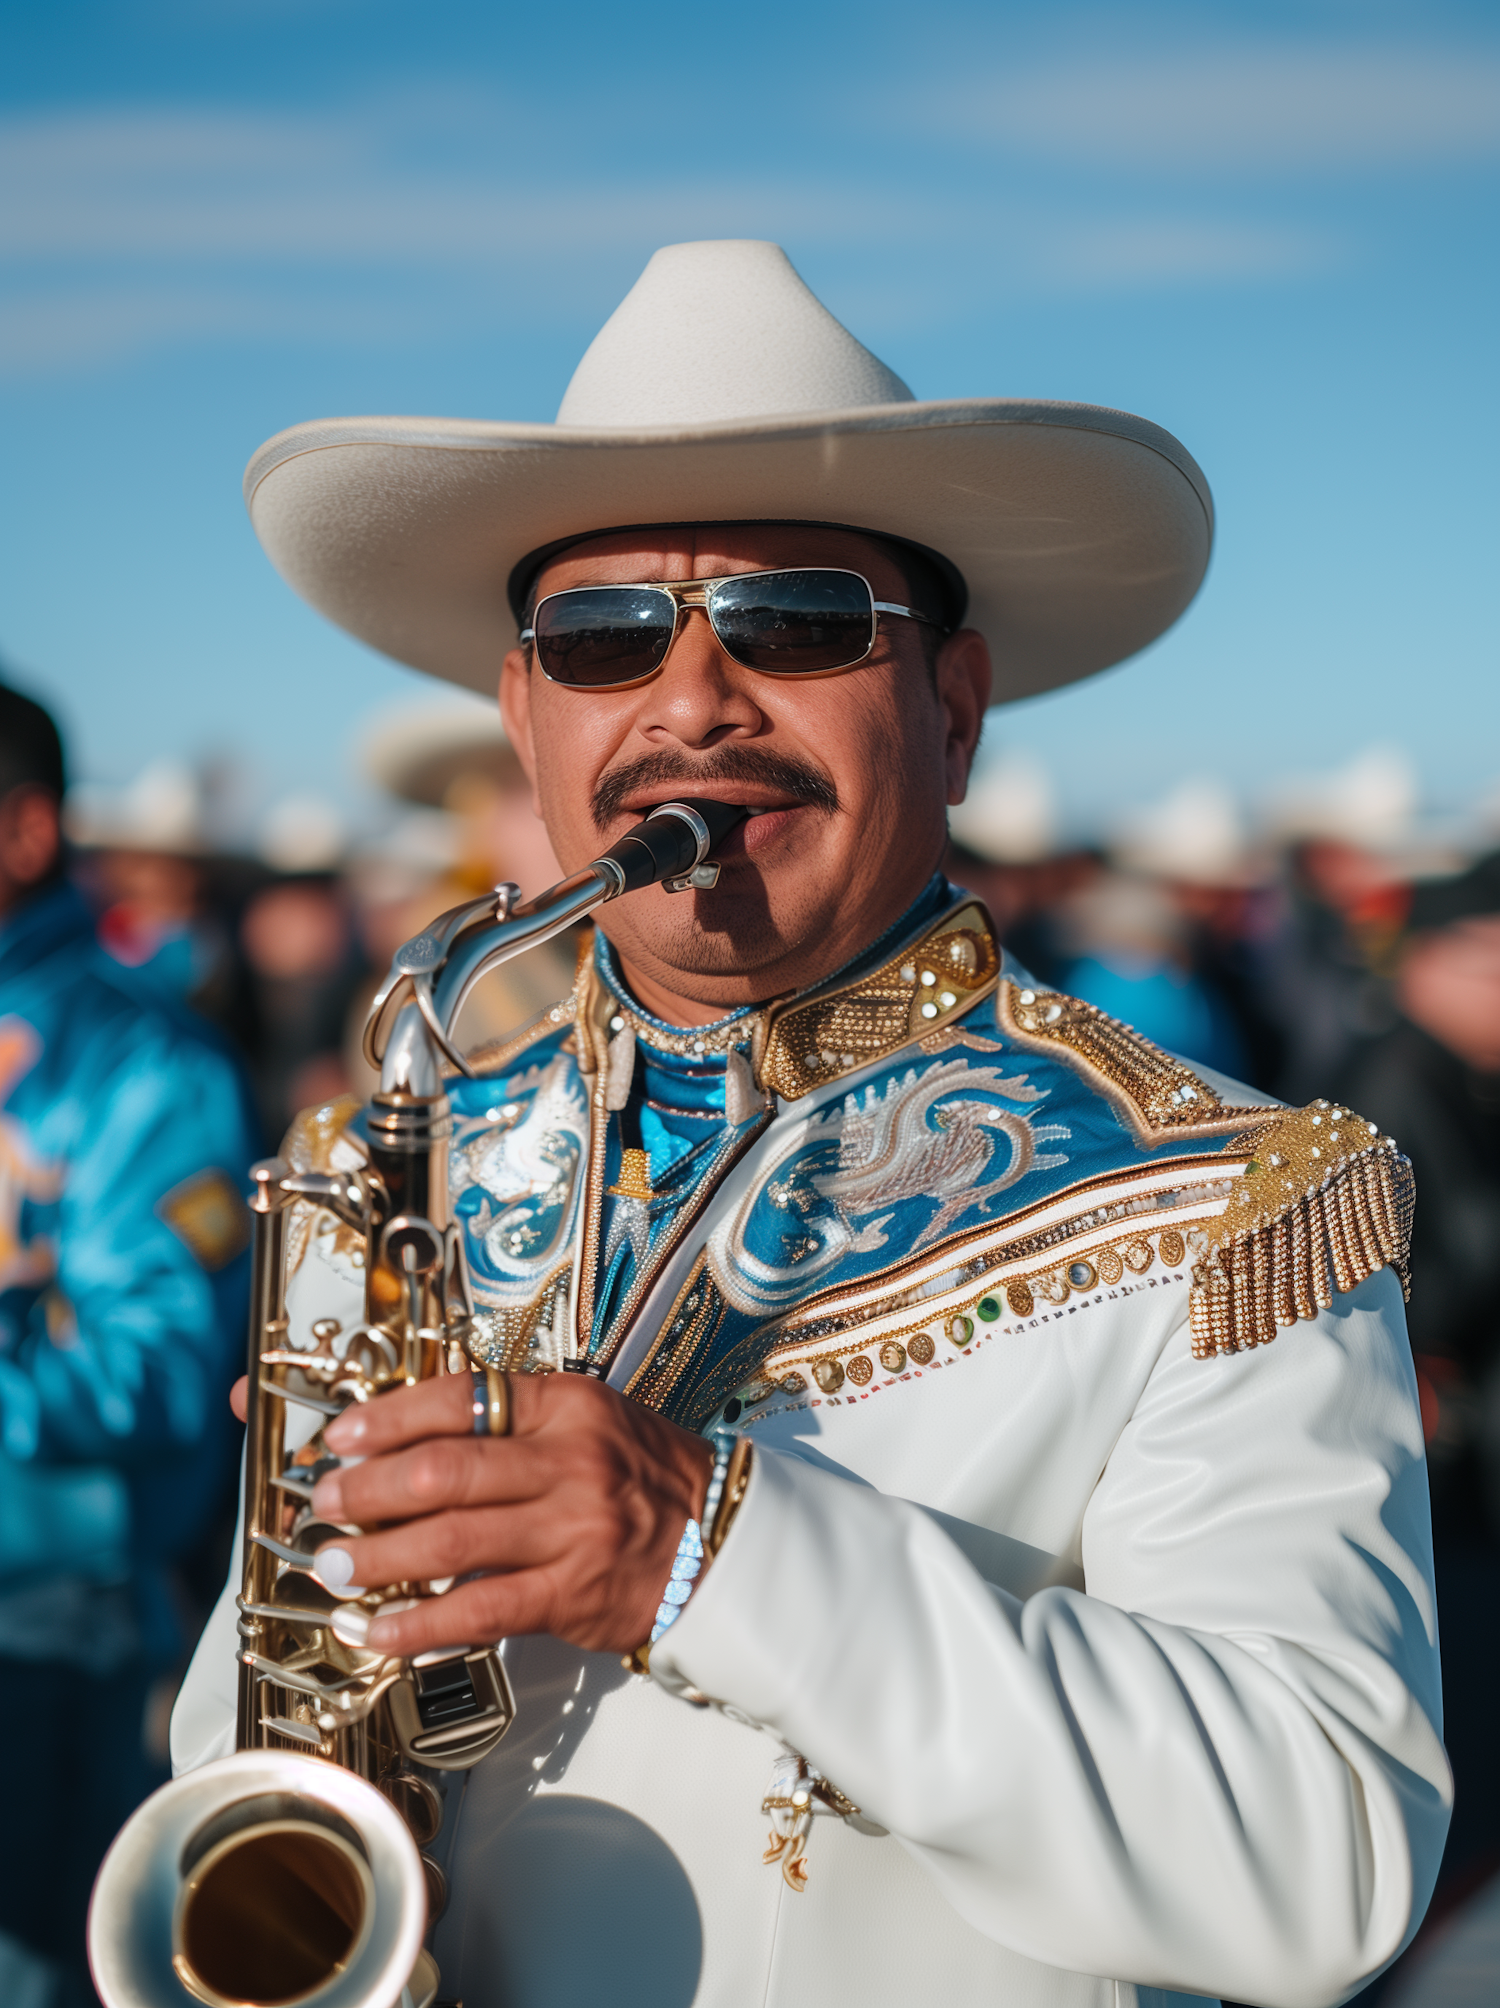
(1083, 533)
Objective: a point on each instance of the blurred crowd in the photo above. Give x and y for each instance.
(1341, 951)
(1336, 951)
(283, 944)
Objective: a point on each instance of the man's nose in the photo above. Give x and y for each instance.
(701, 696)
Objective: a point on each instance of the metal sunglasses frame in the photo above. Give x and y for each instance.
(688, 593)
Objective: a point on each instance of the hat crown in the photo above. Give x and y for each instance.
(721, 331)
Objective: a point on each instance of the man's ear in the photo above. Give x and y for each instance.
(962, 678)
(515, 715)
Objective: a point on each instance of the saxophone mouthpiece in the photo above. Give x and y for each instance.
(672, 846)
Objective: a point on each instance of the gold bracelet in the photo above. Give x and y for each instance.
(736, 1483)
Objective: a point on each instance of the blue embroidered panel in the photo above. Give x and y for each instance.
(924, 1148)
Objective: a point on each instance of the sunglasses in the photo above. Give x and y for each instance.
(807, 622)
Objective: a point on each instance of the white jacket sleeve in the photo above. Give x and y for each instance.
(1220, 1769)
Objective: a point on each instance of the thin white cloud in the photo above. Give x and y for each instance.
(57, 329)
(130, 229)
(343, 189)
(1259, 107)
(1165, 251)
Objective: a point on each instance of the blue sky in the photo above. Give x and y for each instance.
(1270, 228)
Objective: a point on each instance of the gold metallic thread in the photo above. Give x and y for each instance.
(1158, 1095)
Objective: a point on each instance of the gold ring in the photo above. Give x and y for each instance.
(497, 1385)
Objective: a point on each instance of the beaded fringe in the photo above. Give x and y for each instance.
(1256, 1274)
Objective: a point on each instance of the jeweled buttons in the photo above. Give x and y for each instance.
(921, 1349)
(960, 1330)
(829, 1375)
(860, 1370)
(893, 1356)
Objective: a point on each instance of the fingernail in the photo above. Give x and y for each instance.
(383, 1634)
(352, 1625)
(328, 1496)
(336, 1569)
(345, 1430)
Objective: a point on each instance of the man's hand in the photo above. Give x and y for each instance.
(574, 1518)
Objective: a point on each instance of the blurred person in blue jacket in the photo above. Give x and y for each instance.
(125, 1135)
(1132, 957)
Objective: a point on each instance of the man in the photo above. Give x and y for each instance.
(124, 1140)
(1101, 1658)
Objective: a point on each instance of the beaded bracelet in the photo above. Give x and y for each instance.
(701, 1540)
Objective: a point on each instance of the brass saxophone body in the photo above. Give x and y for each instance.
(296, 1871)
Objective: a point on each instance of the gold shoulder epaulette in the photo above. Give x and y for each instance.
(1324, 1202)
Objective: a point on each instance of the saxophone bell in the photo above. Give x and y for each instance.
(263, 1878)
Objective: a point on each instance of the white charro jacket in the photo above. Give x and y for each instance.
(1102, 1629)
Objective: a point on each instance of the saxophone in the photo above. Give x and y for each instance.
(303, 1870)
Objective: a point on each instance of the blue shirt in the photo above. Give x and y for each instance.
(125, 1135)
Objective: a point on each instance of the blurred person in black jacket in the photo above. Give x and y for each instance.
(1433, 1081)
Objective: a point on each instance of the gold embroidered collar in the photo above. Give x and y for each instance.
(813, 1039)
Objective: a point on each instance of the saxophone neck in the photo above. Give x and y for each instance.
(435, 972)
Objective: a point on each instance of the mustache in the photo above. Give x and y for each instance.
(779, 772)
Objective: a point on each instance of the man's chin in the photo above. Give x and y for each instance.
(705, 944)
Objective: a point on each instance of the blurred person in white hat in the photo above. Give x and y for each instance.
(143, 858)
(1168, 941)
(303, 962)
(1004, 845)
(453, 759)
(1347, 840)
(1092, 1633)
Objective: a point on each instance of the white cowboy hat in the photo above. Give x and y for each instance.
(721, 390)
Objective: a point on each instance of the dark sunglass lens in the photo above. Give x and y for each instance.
(598, 635)
(796, 622)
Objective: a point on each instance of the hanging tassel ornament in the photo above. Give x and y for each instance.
(797, 1794)
(1325, 1201)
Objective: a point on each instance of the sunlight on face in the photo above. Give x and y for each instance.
(804, 885)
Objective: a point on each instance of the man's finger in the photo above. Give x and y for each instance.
(239, 1397)
(443, 1406)
(447, 1544)
(479, 1613)
(431, 1476)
